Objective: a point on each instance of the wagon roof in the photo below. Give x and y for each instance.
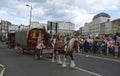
(29, 29)
(47, 35)
(11, 32)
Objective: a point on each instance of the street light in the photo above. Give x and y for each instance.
(30, 14)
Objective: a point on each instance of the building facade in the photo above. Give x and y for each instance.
(13, 27)
(100, 24)
(5, 27)
(65, 27)
(81, 29)
(35, 24)
(108, 27)
(61, 27)
(115, 26)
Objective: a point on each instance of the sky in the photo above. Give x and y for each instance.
(75, 11)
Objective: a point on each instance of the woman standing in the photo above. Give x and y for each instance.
(116, 49)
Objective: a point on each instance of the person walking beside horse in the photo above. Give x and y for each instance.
(39, 48)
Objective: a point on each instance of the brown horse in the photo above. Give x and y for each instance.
(58, 47)
(73, 46)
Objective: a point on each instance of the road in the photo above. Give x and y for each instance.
(99, 65)
(18, 64)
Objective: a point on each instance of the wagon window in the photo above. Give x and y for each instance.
(40, 34)
(34, 35)
(37, 34)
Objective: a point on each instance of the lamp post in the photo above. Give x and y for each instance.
(30, 14)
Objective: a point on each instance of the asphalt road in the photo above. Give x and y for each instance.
(99, 65)
(18, 64)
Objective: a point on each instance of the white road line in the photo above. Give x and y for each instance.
(3, 69)
(1, 65)
(83, 70)
(2, 72)
(87, 71)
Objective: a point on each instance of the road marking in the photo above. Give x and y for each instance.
(103, 58)
(87, 71)
(2, 71)
(82, 69)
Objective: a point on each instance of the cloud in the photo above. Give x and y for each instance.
(33, 1)
(118, 15)
(3, 12)
(94, 5)
(76, 11)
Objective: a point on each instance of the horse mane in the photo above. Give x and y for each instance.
(75, 45)
(71, 43)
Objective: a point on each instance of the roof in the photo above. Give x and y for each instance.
(101, 15)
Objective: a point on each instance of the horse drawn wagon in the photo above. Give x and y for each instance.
(11, 39)
(27, 40)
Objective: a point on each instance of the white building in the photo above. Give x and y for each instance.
(35, 24)
(108, 27)
(61, 27)
(96, 26)
(81, 29)
(4, 27)
(23, 27)
(13, 27)
(86, 29)
(65, 27)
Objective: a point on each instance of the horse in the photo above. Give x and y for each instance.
(58, 47)
(72, 46)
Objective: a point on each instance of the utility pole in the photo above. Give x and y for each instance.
(30, 14)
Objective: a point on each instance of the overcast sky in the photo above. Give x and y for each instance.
(75, 11)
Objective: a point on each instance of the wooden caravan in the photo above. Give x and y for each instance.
(11, 39)
(27, 39)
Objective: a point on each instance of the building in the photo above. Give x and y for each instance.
(35, 24)
(52, 27)
(81, 29)
(5, 27)
(108, 27)
(65, 27)
(13, 27)
(87, 29)
(115, 26)
(100, 25)
(22, 27)
(61, 27)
